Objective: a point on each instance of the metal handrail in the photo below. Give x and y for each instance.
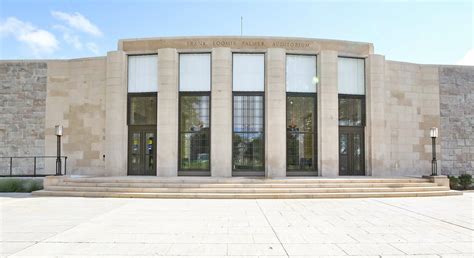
(34, 165)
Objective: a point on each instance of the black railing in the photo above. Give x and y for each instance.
(10, 168)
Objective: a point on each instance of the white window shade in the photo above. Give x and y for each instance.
(143, 73)
(248, 72)
(351, 76)
(194, 72)
(301, 73)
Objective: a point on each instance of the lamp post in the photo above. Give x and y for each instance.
(58, 133)
(434, 163)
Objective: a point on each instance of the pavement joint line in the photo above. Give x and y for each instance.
(74, 226)
(271, 226)
(33, 243)
(390, 244)
(336, 244)
(424, 215)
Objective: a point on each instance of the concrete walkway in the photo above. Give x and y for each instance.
(60, 226)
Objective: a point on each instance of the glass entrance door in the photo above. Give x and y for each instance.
(142, 150)
(351, 152)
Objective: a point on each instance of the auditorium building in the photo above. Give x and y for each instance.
(239, 106)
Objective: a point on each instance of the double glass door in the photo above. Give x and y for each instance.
(142, 150)
(351, 151)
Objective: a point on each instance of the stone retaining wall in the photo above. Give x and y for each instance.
(457, 119)
(22, 113)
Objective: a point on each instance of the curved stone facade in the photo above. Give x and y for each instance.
(402, 101)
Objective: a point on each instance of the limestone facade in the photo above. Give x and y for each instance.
(76, 100)
(411, 109)
(89, 98)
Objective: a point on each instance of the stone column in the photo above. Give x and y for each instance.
(167, 123)
(116, 114)
(221, 113)
(328, 116)
(275, 113)
(375, 112)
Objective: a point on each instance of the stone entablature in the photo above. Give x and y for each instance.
(349, 48)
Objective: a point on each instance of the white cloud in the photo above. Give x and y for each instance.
(93, 47)
(38, 40)
(468, 59)
(78, 22)
(70, 37)
(73, 40)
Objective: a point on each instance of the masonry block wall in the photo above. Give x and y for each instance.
(457, 119)
(22, 113)
(76, 100)
(411, 109)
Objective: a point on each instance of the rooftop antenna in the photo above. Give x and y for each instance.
(241, 25)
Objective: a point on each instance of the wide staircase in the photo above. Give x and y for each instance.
(241, 188)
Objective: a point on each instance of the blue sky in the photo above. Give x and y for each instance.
(439, 32)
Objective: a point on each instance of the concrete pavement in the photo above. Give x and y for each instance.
(392, 227)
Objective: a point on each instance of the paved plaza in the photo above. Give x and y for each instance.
(60, 226)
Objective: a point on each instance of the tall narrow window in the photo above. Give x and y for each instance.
(351, 74)
(248, 153)
(141, 117)
(194, 113)
(301, 84)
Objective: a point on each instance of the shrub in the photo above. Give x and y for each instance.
(453, 182)
(20, 185)
(465, 180)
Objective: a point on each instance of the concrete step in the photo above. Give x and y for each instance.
(243, 189)
(245, 185)
(237, 180)
(245, 195)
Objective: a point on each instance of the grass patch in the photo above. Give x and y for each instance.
(20, 185)
(462, 182)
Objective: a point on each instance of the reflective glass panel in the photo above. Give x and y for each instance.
(248, 140)
(300, 140)
(194, 132)
(248, 113)
(194, 113)
(194, 151)
(350, 112)
(300, 153)
(300, 113)
(343, 157)
(142, 110)
(248, 151)
(357, 149)
(149, 152)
